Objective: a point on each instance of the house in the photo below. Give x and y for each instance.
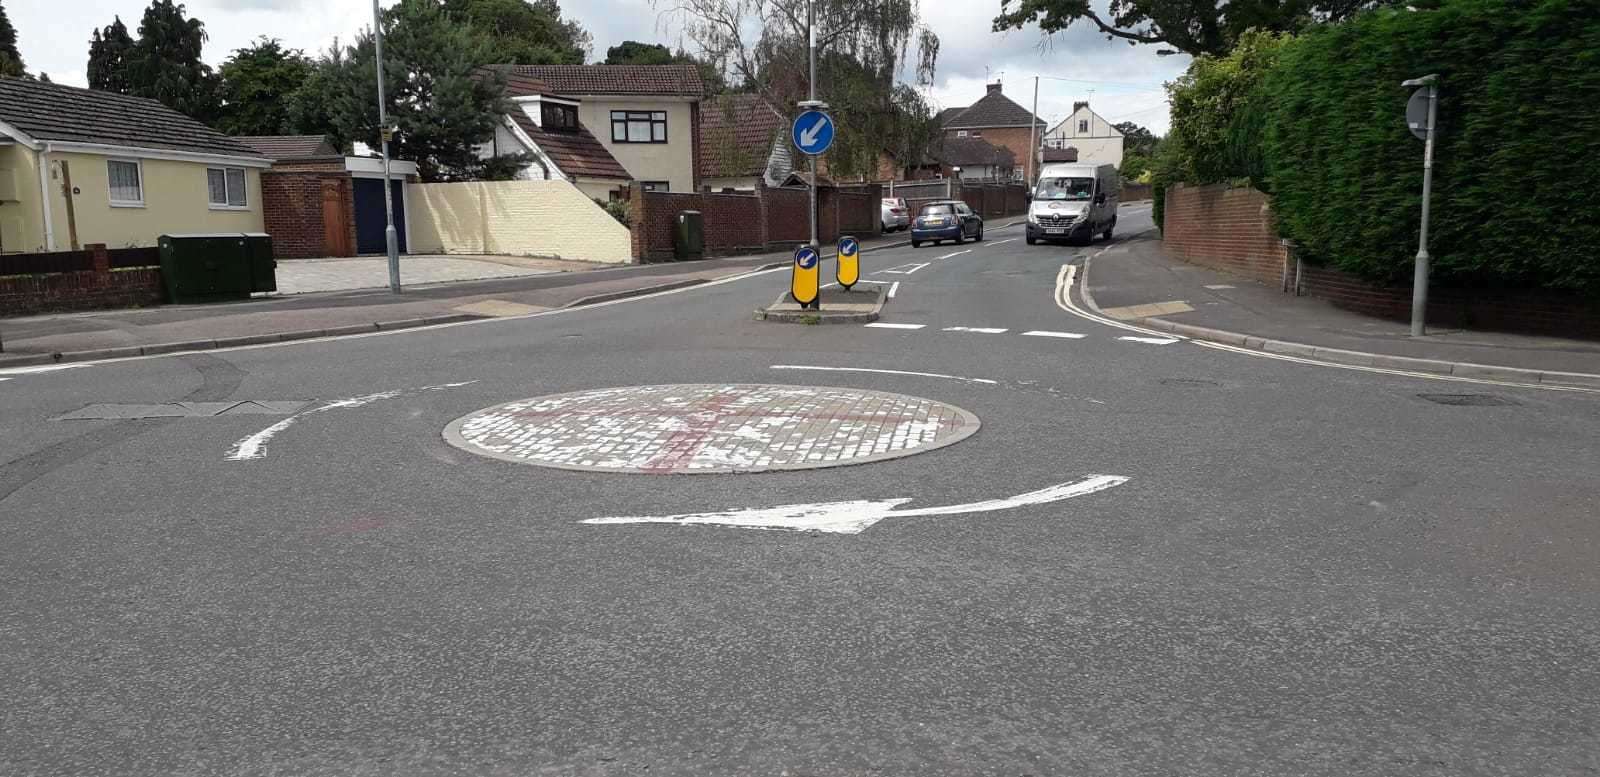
(973, 159)
(318, 202)
(546, 125)
(1095, 140)
(1000, 122)
(742, 140)
(647, 117)
(79, 167)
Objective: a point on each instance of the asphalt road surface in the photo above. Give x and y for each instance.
(1308, 570)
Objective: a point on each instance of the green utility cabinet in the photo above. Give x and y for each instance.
(689, 235)
(215, 267)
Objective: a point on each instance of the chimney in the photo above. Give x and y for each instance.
(1076, 106)
(994, 88)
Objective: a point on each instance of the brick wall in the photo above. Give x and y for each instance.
(1232, 230)
(292, 207)
(100, 287)
(1014, 139)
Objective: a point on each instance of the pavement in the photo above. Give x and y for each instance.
(304, 276)
(530, 285)
(1155, 556)
(1140, 281)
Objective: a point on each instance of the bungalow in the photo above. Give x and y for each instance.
(79, 166)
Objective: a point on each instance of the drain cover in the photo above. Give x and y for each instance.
(1468, 400)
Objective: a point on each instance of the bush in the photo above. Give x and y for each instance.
(617, 208)
(1519, 136)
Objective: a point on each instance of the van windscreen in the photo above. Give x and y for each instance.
(1064, 189)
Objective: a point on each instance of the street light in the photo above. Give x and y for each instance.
(1427, 119)
(390, 238)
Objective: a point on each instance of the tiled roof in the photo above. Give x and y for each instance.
(947, 114)
(289, 146)
(576, 153)
(520, 85)
(972, 151)
(578, 80)
(994, 110)
(67, 114)
(737, 133)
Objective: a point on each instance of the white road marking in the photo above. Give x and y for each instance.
(2, 380)
(998, 242)
(958, 253)
(884, 372)
(41, 368)
(885, 325)
(1151, 340)
(1044, 333)
(255, 446)
(856, 516)
(982, 330)
(893, 287)
(1219, 286)
(900, 269)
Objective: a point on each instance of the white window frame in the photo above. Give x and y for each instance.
(1083, 125)
(961, 133)
(225, 170)
(139, 170)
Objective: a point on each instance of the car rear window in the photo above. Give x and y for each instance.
(938, 210)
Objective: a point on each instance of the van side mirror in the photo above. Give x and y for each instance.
(1100, 199)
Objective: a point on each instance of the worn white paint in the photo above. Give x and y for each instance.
(1046, 333)
(255, 446)
(1219, 286)
(958, 253)
(1150, 340)
(998, 242)
(893, 289)
(887, 325)
(982, 330)
(905, 269)
(855, 516)
(40, 368)
(883, 372)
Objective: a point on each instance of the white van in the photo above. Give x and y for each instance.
(1074, 202)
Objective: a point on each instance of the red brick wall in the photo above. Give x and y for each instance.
(788, 215)
(291, 200)
(22, 295)
(1225, 229)
(1232, 230)
(1014, 139)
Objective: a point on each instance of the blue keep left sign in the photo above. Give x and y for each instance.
(812, 132)
(848, 245)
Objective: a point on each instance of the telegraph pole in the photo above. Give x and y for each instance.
(1033, 129)
(390, 238)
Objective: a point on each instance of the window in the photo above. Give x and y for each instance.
(225, 187)
(1083, 125)
(977, 134)
(939, 209)
(554, 116)
(1066, 188)
(961, 133)
(639, 126)
(655, 186)
(127, 185)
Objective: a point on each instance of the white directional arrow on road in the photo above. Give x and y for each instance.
(854, 517)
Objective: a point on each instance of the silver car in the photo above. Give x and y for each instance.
(896, 216)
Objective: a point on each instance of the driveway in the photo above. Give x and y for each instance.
(302, 276)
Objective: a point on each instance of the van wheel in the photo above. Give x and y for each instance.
(1113, 226)
(1032, 240)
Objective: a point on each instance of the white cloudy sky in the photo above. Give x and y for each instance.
(1122, 82)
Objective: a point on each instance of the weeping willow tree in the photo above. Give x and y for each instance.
(864, 50)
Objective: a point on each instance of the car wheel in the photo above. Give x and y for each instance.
(916, 244)
(979, 238)
(961, 236)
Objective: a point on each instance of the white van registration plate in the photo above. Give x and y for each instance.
(1056, 231)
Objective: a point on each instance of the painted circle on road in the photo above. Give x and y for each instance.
(710, 428)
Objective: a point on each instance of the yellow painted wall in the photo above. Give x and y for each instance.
(175, 202)
(21, 222)
(672, 161)
(518, 218)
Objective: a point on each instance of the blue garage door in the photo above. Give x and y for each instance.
(369, 215)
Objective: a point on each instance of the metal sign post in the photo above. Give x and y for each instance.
(385, 133)
(847, 266)
(803, 277)
(1422, 113)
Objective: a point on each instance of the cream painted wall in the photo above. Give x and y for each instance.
(672, 161)
(1101, 145)
(175, 202)
(22, 221)
(520, 218)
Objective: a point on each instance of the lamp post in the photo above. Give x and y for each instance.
(1419, 281)
(390, 238)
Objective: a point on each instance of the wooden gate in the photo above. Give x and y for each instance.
(335, 219)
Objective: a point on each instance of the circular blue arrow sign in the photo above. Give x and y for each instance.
(812, 132)
(806, 258)
(848, 245)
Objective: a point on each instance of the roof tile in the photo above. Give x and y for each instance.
(737, 133)
(67, 114)
(994, 110)
(680, 80)
(576, 153)
(282, 147)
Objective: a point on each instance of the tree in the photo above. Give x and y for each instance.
(862, 46)
(314, 107)
(10, 58)
(257, 85)
(1195, 28)
(164, 64)
(1136, 139)
(109, 50)
(522, 32)
(632, 52)
(441, 104)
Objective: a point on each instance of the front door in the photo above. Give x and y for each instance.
(335, 222)
(370, 219)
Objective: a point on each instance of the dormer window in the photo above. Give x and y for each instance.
(558, 117)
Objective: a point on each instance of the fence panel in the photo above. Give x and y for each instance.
(122, 258)
(52, 262)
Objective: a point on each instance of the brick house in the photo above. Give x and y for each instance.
(973, 159)
(317, 202)
(742, 140)
(998, 121)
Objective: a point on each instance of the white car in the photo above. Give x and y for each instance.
(896, 216)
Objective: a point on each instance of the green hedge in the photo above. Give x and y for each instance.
(1515, 200)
